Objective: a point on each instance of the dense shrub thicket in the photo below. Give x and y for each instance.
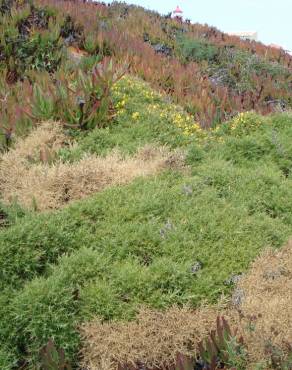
(175, 238)
(138, 244)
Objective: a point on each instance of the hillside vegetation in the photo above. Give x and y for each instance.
(145, 164)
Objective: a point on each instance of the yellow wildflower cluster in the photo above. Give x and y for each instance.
(245, 122)
(120, 98)
(242, 124)
(131, 85)
(130, 92)
(181, 120)
(186, 123)
(135, 94)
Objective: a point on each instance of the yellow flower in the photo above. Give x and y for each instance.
(121, 104)
(120, 112)
(135, 115)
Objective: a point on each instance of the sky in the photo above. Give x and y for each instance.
(272, 19)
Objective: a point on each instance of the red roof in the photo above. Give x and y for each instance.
(178, 10)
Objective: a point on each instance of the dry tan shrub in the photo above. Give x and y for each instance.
(267, 302)
(15, 164)
(47, 135)
(154, 338)
(24, 176)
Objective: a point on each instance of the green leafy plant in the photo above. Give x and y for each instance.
(79, 100)
(93, 94)
(279, 359)
(223, 348)
(53, 358)
(10, 115)
(43, 51)
(30, 38)
(184, 362)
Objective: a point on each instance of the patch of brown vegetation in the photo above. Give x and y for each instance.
(153, 339)
(75, 54)
(49, 135)
(27, 176)
(267, 303)
(264, 316)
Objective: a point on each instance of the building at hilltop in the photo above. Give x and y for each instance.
(178, 14)
(252, 36)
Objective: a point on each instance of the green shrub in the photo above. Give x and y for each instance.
(135, 221)
(156, 123)
(9, 215)
(82, 286)
(7, 361)
(101, 299)
(8, 351)
(27, 247)
(243, 150)
(48, 308)
(191, 49)
(140, 243)
(239, 69)
(23, 49)
(195, 154)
